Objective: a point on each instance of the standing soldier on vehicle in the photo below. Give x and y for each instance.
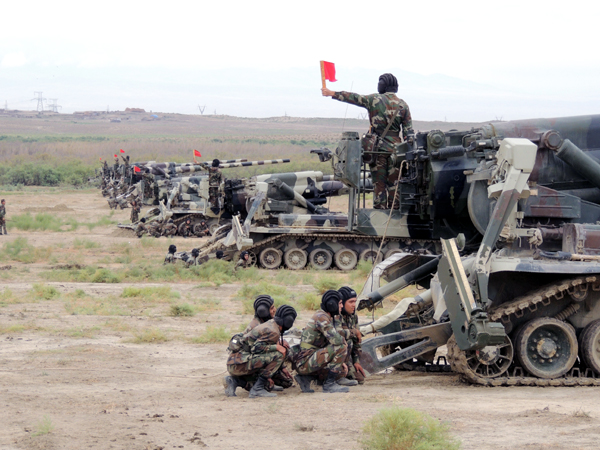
(214, 182)
(3, 216)
(349, 329)
(322, 348)
(385, 108)
(260, 352)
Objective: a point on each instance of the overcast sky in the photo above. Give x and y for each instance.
(458, 60)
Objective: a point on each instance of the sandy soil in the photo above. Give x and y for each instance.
(102, 391)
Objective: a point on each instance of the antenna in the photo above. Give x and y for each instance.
(52, 105)
(40, 100)
(201, 108)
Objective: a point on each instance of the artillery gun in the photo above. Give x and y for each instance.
(522, 306)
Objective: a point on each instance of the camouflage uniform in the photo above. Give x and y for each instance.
(259, 355)
(321, 347)
(135, 211)
(169, 229)
(381, 109)
(348, 324)
(242, 263)
(253, 324)
(3, 219)
(214, 181)
(187, 229)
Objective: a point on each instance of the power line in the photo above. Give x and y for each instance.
(52, 105)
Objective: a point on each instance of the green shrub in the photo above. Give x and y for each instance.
(325, 283)
(309, 301)
(213, 335)
(85, 243)
(150, 293)
(103, 275)
(184, 310)
(20, 250)
(150, 336)
(44, 292)
(406, 429)
(249, 292)
(39, 222)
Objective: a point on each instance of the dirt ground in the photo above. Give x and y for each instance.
(96, 388)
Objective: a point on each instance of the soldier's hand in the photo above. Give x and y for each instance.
(285, 344)
(358, 335)
(281, 349)
(359, 369)
(327, 92)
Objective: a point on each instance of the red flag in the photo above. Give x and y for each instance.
(197, 153)
(136, 169)
(123, 151)
(116, 156)
(329, 70)
(100, 159)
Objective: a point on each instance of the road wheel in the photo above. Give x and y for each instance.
(270, 258)
(320, 259)
(547, 347)
(295, 258)
(590, 346)
(370, 255)
(490, 361)
(345, 259)
(252, 259)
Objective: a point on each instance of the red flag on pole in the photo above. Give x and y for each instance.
(100, 159)
(123, 151)
(328, 70)
(197, 153)
(116, 156)
(136, 169)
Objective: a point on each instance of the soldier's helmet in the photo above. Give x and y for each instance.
(330, 302)
(219, 254)
(387, 83)
(195, 252)
(172, 248)
(244, 254)
(216, 163)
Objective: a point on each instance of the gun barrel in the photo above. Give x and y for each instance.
(254, 163)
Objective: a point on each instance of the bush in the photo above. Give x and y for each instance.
(406, 429)
(249, 292)
(326, 283)
(44, 292)
(310, 301)
(213, 335)
(184, 310)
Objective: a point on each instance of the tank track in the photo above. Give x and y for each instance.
(517, 375)
(331, 237)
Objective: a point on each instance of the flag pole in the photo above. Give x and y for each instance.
(323, 74)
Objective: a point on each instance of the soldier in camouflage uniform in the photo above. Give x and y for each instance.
(3, 217)
(322, 347)
(169, 228)
(382, 107)
(264, 310)
(244, 260)
(202, 229)
(214, 182)
(191, 259)
(262, 353)
(135, 210)
(170, 258)
(187, 228)
(348, 327)
(140, 228)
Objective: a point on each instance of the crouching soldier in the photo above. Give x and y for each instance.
(349, 330)
(170, 258)
(264, 310)
(259, 353)
(322, 348)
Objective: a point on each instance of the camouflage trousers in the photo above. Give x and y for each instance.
(384, 176)
(263, 364)
(331, 357)
(3, 226)
(213, 195)
(134, 215)
(353, 374)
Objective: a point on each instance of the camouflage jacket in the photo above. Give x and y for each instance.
(214, 177)
(382, 108)
(261, 339)
(2, 211)
(346, 324)
(320, 332)
(253, 324)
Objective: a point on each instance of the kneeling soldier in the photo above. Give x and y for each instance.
(322, 347)
(353, 336)
(261, 354)
(264, 310)
(170, 258)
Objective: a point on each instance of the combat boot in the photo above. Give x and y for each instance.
(259, 390)
(331, 386)
(304, 383)
(231, 384)
(347, 382)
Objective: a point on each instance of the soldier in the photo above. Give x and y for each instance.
(322, 348)
(353, 336)
(186, 228)
(170, 258)
(384, 107)
(202, 229)
(244, 260)
(3, 217)
(140, 229)
(219, 254)
(264, 310)
(135, 210)
(117, 173)
(193, 259)
(214, 182)
(169, 228)
(262, 353)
